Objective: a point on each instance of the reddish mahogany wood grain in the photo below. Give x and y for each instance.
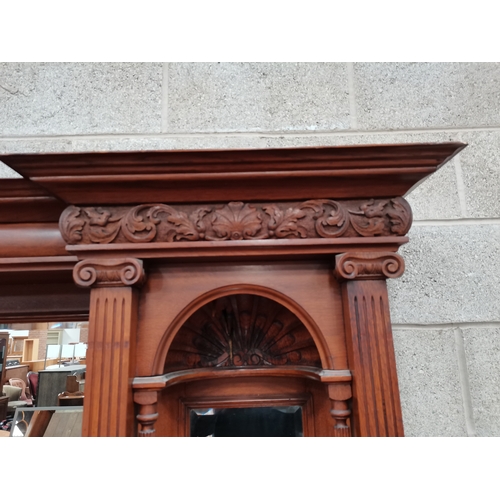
(240, 250)
(270, 174)
(21, 200)
(108, 408)
(307, 289)
(31, 240)
(131, 331)
(376, 402)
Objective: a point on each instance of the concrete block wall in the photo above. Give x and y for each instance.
(446, 307)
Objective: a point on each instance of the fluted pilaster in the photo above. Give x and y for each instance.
(376, 402)
(108, 409)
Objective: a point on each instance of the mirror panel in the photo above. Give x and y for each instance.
(277, 421)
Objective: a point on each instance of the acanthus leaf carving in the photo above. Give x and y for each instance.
(235, 221)
(379, 217)
(71, 225)
(178, 225)
(137, 227)
(332, 219)
(283, 224)
(103, 225)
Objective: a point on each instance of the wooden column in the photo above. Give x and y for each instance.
(108, 408)
(376, 403)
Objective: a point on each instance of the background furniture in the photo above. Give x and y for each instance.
(47, 422)
(17, 382)
(4, 341)
(4, 401)
(18, 371)
(32, 379)
(53, 382)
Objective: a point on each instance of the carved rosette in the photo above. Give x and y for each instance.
(109, 273)
(235, 221)
(368, 266)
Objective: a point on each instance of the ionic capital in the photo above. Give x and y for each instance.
(368, 266)
(109, 272)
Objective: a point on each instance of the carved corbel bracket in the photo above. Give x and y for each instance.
(148, 415)
(109, 273)
(339, 395)
(368, 266)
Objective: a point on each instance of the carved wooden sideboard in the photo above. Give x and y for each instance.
(219, 279)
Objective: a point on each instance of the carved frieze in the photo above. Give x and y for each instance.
(109, 272)
(235, 221)
(366, 266)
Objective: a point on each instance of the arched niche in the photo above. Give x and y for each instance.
(242, 330)
(244, 346)
(276, 305)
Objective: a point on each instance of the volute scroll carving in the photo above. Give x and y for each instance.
(109, 273)
(235, 221)
(368, 266)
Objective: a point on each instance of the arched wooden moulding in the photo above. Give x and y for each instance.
(253, 325)
(242, 330)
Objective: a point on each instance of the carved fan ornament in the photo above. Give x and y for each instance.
(235, 221)
(242, 330)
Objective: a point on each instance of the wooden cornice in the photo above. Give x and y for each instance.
(22, 200)
(232, 204)
(346, 172)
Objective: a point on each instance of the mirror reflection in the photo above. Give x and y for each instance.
(278, 421)
(41, 365)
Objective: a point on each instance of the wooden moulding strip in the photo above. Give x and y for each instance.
(60, 263)
(225, 176)
(159, 382)
(244, 248)
(31, 240)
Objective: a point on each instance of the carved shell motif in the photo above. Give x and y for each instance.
(242, 330)
(237, 221)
